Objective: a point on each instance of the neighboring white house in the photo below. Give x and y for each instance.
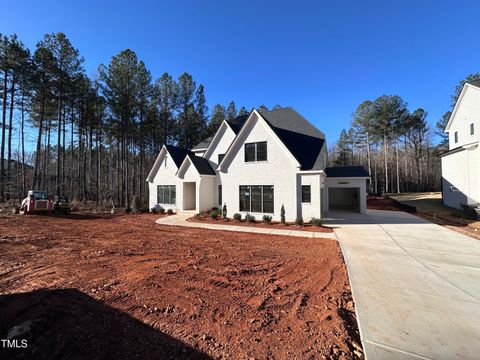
(255, 164)
(461, 163)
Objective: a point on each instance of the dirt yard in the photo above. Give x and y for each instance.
(91, 287)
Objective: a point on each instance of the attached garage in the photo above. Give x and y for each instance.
(346, 189)
(344, 199)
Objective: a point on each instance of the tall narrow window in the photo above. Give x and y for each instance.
(268, 199)
(262, 151)
(244, 198)
(220, 158)
(220, 195)
(165, 160)
(250, 152)
(456, 136)
(472, 128)
(306, 194)
(256, 199)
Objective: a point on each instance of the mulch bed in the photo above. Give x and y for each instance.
(205, 218)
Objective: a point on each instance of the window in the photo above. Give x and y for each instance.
(456, 136)
(256, 198)
(472, 129)
(220, 158)
(306, 194)
(256, 151)
(219, 194)
(165, 160)
(166, 194)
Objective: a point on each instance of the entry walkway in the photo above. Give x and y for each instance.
(416, 285)
(180, 220)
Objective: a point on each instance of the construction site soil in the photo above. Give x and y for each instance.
(86, 286)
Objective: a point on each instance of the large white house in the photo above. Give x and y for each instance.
(255, 164)
(461, 163)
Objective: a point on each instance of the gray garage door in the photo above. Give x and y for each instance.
(344, 199)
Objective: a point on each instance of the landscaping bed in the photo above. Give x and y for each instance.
(104, 286)
(205, 217)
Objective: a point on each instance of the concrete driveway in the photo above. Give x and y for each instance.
(416, 285)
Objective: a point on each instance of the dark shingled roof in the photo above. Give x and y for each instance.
(346, 171)
(474, 83)
(178, 154)
(203, 144)
(300, 137)
(237, 123)
(202, 165)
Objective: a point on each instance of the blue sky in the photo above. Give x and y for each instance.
(321, 57)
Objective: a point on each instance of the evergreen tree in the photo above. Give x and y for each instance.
(343, 149)
(441, 126)
(186, 108)
(218, 115)
(201, 114)
(242, 111)
(165, 97)
(263, 108)
(231, 112)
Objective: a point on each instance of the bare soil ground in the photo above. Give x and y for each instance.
(205, 218)
(96, 286)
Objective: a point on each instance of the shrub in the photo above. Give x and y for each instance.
(267, 219)
(214, 208)
(136, 203)
(170, 212)
(316, 222)
(282, 214)
(162, 210)
(237, 216)
(214, 214)
(128, 210)
(249, 218)
(299, 220)
(224, 211)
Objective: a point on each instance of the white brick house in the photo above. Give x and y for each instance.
(461, 163)
(255, 164)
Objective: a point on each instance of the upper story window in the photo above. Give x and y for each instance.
(472, 128)
(220, 158)
(256, 151)
(455, 136)
(166, 160)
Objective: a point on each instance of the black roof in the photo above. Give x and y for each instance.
(178, 154)
(203, 144)
(237, 123)
(474, 83)
(346, 171)
(202, 165)
(300, 137)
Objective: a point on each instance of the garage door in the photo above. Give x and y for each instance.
(346, 199)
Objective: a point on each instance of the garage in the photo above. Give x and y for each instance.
(346, 189)
(344, 199)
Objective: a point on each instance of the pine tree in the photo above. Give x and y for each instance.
(218, 115)
(231, 112)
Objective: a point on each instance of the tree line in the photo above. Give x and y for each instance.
(95, 137)
(397, 146)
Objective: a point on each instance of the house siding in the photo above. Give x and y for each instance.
(467, 112)
(166, 175)
(279, 170)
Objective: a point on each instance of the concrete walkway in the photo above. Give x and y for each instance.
(180, 220)
(416, 285)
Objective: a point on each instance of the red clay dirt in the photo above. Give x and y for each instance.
(205, 218)
(97, 286)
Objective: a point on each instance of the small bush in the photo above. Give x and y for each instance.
(267, 219)
(136, 203)
(299, 221)
(128, 210)
(237, 216)
(214, 214)
(170, 212)
(162, 210)
(282, 214)
(214, 208)
(224, 211)
(316, 222)
(153, 210)
(249, 218)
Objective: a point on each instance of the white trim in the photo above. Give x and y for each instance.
(457, 104)
(208, 150)
(158, 163)
(348, 177)
(268, 129)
